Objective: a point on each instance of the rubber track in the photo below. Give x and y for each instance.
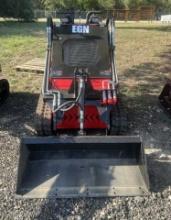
(119, 121)
(43, 118)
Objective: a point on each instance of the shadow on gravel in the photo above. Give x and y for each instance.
(159, 172)
(16, 115)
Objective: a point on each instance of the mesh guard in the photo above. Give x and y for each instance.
(81, 53)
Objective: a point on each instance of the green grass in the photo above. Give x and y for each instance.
(20, 42)
(143, 55)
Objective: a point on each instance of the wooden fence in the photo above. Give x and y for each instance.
(119, 14)
(134, 15)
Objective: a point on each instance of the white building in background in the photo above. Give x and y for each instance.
(166, 18)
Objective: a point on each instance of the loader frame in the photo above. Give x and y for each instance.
(110, 23)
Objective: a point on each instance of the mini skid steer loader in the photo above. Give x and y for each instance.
(81, 150)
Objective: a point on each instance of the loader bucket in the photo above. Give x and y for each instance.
(165, 97)
(89, 166)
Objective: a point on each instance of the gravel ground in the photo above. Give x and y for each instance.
(16, 121)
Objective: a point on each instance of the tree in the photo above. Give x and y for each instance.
(61, 4)
(24, 10)
(108, 4)
(102, 4)
(38, 4)
(134, 4)
(20, 9)
(78, 4)
(121, 4)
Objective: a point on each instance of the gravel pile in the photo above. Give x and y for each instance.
(16, 121)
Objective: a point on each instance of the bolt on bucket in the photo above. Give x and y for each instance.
(90, 166)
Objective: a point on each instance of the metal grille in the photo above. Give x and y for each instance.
(81, 53)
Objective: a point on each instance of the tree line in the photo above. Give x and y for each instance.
(24, 9)
(104, 4)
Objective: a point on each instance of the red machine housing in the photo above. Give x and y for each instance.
(92, 118)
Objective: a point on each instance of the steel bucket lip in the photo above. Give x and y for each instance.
(81, 139)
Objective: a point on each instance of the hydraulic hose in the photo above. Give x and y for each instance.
(71, 103)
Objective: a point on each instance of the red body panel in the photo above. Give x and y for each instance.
(92, 119)
(61, 84)
(97, 84)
